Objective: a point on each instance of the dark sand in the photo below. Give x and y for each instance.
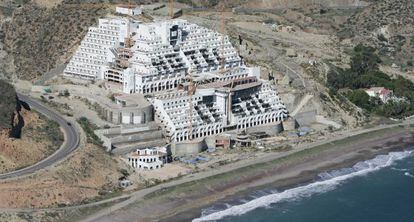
(184, 202)
(389, 143)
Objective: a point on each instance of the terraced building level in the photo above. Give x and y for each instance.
(194, 77)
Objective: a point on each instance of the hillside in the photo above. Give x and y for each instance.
(301, 3)
(387, 25)
(40, 137)
(37, 38)
(268, 4)
(7, 105)
(40, 34)
(26, 137)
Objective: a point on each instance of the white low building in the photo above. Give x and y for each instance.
(127, 10)
(380, 92)
(149, 158)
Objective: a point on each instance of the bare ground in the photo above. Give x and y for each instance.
(89, 173)
(35, 144)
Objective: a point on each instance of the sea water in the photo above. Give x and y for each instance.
(380, 190)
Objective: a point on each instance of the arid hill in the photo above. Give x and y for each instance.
(40, 34)
(39, 138)
(300, 3)
(7, 105)
(37, 38)
(388, 25)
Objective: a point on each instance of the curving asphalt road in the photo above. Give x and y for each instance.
(69, 145)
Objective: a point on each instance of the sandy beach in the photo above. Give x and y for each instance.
(184, 201)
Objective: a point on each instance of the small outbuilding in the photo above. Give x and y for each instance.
(380, 92)
(243, 140)
(124, 182)
(223, 141)
(149, 158)
(126, 10)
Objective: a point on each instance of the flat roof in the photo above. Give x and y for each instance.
(128, 6)
(136, 99)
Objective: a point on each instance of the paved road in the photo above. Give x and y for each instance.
(110, 214)
(128, 199)
(69, 145)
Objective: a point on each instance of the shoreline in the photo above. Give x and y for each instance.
(182, 200)
(305, 177)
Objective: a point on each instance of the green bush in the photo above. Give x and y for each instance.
(364, 73)
(89, 128)
(360, 98)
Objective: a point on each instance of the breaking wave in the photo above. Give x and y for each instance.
(401, 170)
(327, 181)
(408, 174)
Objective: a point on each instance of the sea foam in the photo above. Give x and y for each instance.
(408, 174)
(328, 181)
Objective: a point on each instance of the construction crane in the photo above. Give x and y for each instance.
(125, 53)
(128, 43)
(191, 90)
(222, 30)
(171, 9)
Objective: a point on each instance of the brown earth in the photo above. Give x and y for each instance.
(89, 173)
(298, 3)
(185, 202)
(388, 26)
(41, 34)
(40, 138)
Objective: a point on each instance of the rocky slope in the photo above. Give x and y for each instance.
(37, 38)
(388, 25)
(26, 137)
(7, 105)
(301, 3)
(39, 138)
(40, 34)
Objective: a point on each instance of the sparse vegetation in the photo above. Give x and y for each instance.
(89, 128)
(40, 137)
(51, 131)
(39, 38)
(393, 17)
(7, 104)
(364, 73)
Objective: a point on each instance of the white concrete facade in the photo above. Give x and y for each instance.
(217, 107)
(160, 57)
(148, 159)
(94, 53)
(128, 11)
(165, 52)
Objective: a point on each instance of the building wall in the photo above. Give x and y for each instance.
(128, 115)
(127, 11)
(120, 135)
(147, 162)
(188, 148)
(270, 129)
(306, 118)
(94, 52)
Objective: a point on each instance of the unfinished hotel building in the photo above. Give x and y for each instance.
(193, 76)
